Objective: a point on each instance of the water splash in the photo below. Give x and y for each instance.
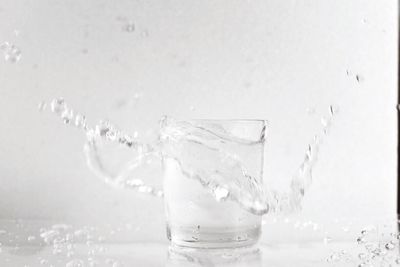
(374, 248)
(302, 179)
(104, 140)
(120, 159)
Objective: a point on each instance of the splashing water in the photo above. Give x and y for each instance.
(227, 179)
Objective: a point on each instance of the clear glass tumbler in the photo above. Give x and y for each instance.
(203, 165)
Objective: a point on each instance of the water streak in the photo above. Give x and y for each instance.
(119, 159)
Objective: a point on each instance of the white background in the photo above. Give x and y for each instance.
(227, 59)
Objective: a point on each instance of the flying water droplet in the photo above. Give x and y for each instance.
(221, 193)
(42, 106)
(129, 27)
(360, 240)
(58, 106)
(75, 263)
(389, 246)
(80, 121)
(359, 78)
(67, 115)
(11, 52)
(145, 33)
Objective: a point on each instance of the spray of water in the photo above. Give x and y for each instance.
(227, 179)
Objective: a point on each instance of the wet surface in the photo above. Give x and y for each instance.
(160, 254)
(45, 243)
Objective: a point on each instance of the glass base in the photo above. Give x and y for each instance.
(195, 237)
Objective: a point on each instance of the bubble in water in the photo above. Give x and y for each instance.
(11, 52)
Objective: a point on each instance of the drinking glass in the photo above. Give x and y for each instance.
(198, 157)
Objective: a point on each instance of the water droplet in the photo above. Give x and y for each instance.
(145, 33)
(129, 27)
(389, 246)
(75, 263)
(377, 252)
(80, 121)
(334, 257)
(221, 193)
(49, 235)
(43, 261)
(360, 240)
(117, 264)
(364, 232)
(58, 106)
(333, 110)
(324, 121)
(42, 106)
(362, 256)
(359, 78)
(67, 115)
(11, 52)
